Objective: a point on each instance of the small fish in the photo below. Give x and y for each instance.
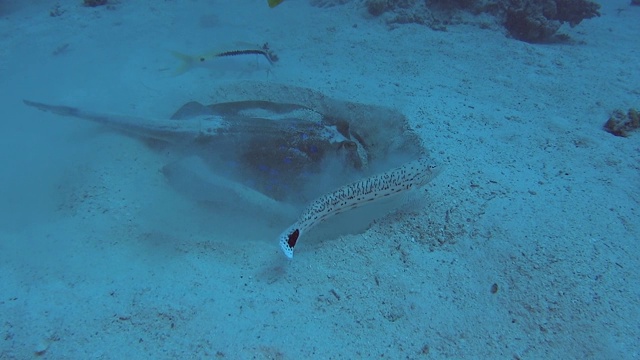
(274, 3)
(243, 57)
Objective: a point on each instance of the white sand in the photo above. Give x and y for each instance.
(100, 258)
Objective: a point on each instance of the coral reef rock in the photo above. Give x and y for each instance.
(538, 21)
(527, 20)
(621, 123)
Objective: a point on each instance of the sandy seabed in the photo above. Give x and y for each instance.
(101, 259)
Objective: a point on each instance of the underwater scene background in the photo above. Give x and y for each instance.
(155, 155)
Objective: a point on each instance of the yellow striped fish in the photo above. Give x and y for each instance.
(239, 58)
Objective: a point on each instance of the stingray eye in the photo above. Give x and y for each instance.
(201, 59)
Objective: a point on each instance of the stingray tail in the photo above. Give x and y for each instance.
(187, 62)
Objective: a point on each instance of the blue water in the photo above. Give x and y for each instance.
(114, 245)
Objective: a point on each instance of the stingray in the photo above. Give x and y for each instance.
(273, 146)
(266, 144)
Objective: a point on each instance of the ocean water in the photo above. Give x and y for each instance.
(130, 229)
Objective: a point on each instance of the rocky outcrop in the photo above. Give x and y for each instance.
(539, 20)
(526, 20)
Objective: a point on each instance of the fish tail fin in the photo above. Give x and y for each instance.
(273, 3)
(187, 62)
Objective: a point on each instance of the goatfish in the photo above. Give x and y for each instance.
(240, 58)
(274, 3)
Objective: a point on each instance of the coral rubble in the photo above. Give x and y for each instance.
(94, 3)
(621, 123)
